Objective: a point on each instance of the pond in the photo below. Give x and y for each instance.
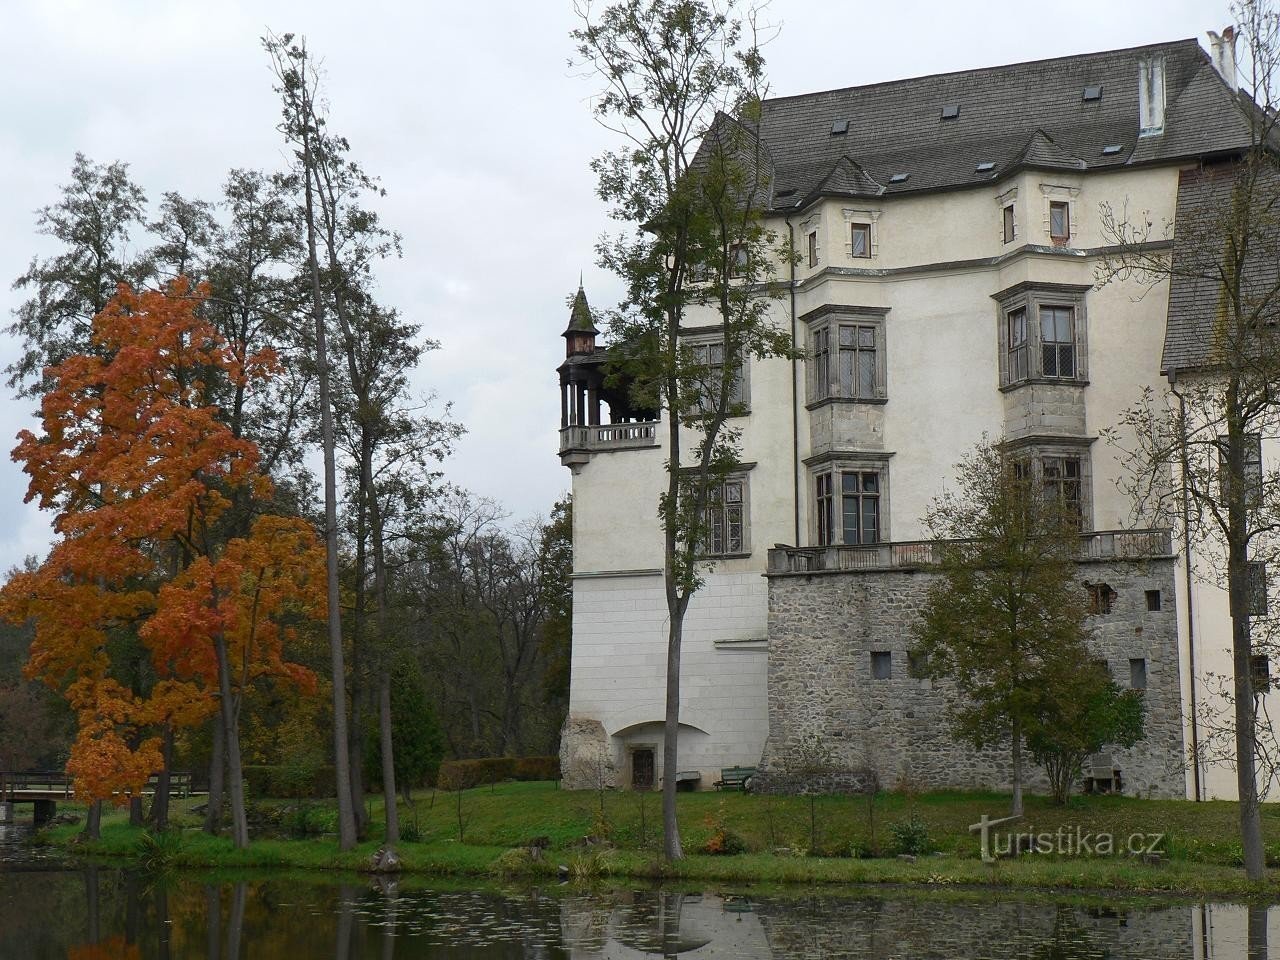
(50, 908)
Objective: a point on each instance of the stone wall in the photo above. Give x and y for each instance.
(823, 628)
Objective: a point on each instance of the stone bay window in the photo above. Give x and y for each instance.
(1042, 334)
(847, 506)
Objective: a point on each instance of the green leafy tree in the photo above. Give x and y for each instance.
(1005, 618)
(682, 81)
(416, 738)
(1083, 713)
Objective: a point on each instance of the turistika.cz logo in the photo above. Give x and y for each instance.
(1065, 841)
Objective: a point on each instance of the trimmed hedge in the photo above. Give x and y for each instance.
(465, 774)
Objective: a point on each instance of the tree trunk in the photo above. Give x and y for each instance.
(359, 696)
(1017, 768)
(235, 923)
(341, 757)
(93, 821)
(235, 772)
(217, 765)
(388, 759)
(671, 846)
(213, 922)
(160, 802)
(1246, 735)
(135, 812)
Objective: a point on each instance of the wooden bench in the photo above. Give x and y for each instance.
(734, 778)
(1102, 775)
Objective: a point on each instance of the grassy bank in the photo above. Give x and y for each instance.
(832, 840)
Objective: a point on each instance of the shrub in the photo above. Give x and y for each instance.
(722, 841)
(290, 782)
(465, 774)
(910, 836)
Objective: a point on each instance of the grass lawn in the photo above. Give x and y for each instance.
(477, 833)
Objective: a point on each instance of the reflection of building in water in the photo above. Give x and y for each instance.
(628, 926)
(632, 925)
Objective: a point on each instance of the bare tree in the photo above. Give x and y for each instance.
(1194, 453)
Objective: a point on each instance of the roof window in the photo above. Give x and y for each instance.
(839, 128)
(1111, 149)
(900, 178)
(985, 167)
(950, 111)
(1092, 93)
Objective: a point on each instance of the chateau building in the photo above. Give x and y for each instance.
(951, 230)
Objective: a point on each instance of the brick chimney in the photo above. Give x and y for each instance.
(1223, 49)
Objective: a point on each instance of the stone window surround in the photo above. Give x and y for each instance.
(1008, 198)
(838, 462)
(871, 219)
(701, 336)
(741, 473)
(1061, 192)
(1036, 448)
(826, 316)
(811, 225)
(1030, 295)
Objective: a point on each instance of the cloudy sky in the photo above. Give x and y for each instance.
(481, 134)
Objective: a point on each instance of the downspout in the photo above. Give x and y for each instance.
(1186, 566)
(795, 390)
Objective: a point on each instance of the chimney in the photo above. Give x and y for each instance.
(1224, 55)
(1150, 96)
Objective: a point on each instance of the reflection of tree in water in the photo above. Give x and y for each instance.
(653, 928)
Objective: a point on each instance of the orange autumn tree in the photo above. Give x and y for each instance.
(141, 470)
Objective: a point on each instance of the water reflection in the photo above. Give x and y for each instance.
(96, 913)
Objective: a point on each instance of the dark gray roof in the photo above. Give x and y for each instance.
(1205, 231)
(1026, 114)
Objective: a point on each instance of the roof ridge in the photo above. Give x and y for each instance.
(1166, 45)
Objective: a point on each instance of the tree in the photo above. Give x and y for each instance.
(415, 730)
(1194, 454)
(139, 467)
(1004, 619)
(301, 126)
(682, 85)
(1085, 712)
(99, 208)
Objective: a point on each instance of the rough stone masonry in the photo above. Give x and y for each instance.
(824, 628)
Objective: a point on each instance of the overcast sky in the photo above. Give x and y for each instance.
(481, 134)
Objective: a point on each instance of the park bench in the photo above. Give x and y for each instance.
(1101, 775)
(734, 778)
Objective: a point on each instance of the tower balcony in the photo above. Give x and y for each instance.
(579, 443)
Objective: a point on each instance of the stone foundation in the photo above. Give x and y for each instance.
(824, 626)
(586, 755)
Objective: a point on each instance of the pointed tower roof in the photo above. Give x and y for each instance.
(580, 315)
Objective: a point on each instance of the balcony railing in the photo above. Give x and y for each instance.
(609, 436)
(912, 555)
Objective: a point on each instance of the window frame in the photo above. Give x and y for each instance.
(814, 251)
(1035, 451)
(721, 503)
(829, 509)
(1254, 470)
(1009, 222)
(825, 375)
(1065, 207)
(1032, 300)
(708, 341)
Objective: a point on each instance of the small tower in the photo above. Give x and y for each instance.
(580, 335)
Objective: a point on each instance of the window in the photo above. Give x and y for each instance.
(1016, 322)
(725, 521)
(1153, 600)
(1257, 574)
(1010, 228)
(848, 507)
(813, 248)
(917, 666)
(1062, 479)
(1057, 342)
(1251, 469)
(860, 239)
(1260, 669)
(847, 361)
(1138, 673)
(709, 357)
(738, 261)
(1101, 598)
(1042, 333)
(1059, 220)
(881, 665)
